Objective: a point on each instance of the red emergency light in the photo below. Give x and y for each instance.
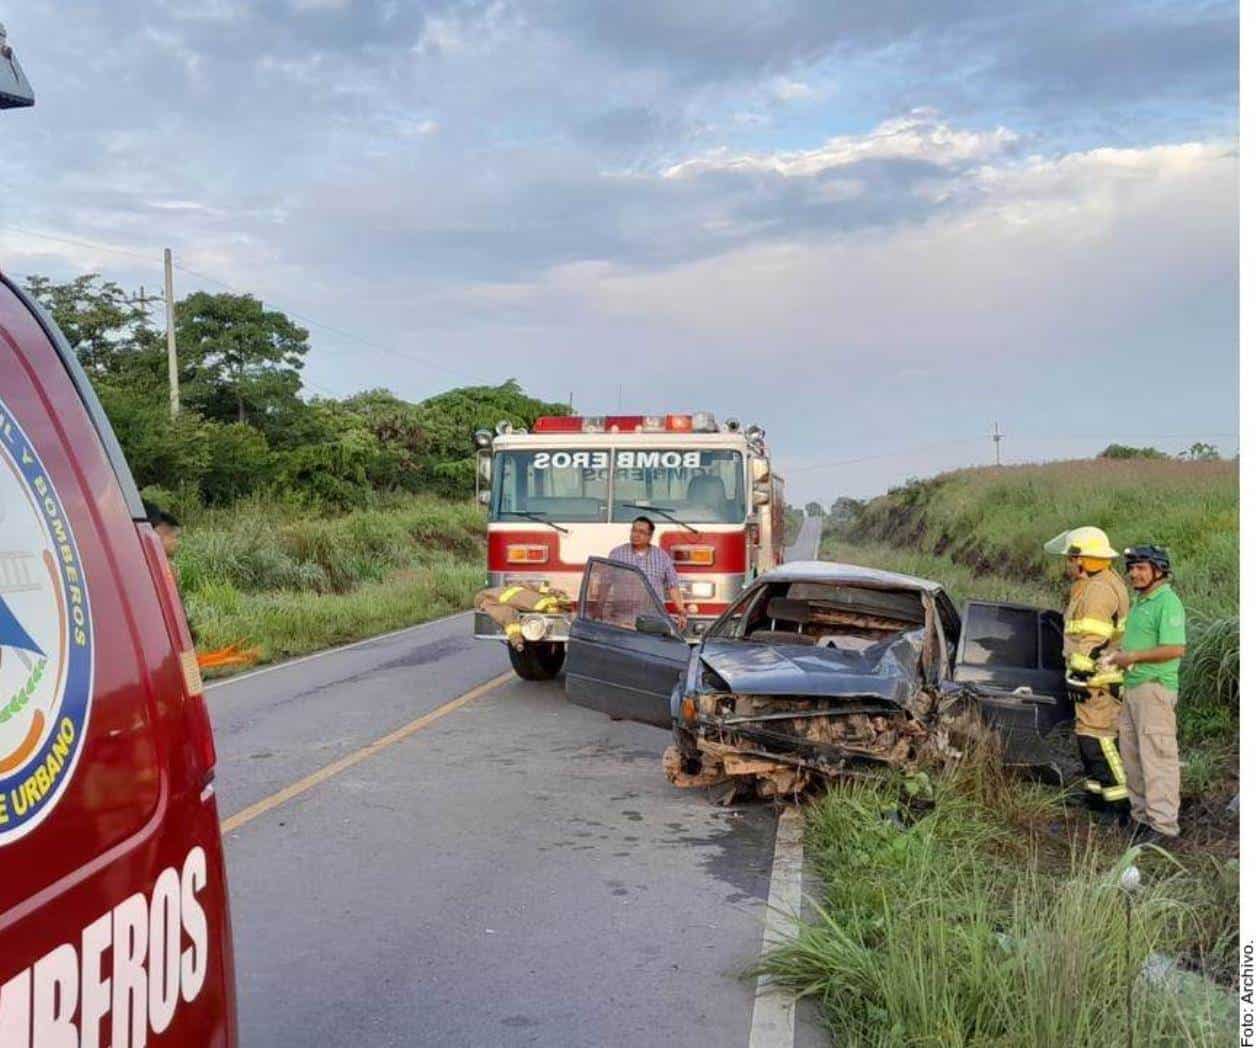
(701, 422)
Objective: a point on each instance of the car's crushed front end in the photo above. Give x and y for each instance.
(825, 670)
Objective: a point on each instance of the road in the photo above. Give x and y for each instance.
(807, 544)
(505, 870)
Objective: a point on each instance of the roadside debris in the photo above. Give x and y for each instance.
(231, 655)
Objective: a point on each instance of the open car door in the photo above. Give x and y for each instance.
(1013, 656)
(624, 655)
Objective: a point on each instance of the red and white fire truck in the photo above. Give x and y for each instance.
(570, 489)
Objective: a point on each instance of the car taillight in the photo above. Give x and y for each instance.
(202, 737)
(527, 554)
(700, 556)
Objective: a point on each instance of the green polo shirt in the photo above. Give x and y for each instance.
(1153, 621)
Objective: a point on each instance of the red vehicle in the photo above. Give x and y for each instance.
(114, 927)
(570, 489)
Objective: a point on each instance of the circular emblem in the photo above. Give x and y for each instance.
(46, 639)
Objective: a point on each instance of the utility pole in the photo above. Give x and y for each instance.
(996, 436)
(172, 358)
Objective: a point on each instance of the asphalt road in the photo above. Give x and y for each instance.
(807, 545)
(516, 872)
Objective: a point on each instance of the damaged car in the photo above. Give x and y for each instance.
(818, 670)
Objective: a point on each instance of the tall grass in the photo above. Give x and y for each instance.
(987, 528)
(290, 582)
(952, 930)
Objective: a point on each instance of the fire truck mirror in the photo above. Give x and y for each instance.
(759, 469)
(484, 465)
(483, 498)
(15, 89)
(761, 498)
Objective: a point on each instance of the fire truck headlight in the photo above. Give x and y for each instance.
(483, 438)
(533, 627)
(701, 590)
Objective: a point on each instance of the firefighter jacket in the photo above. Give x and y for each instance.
(1093, 624)
(503, 604)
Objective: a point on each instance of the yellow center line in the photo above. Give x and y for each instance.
(299, 787)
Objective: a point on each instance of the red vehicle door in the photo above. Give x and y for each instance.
(114, 928)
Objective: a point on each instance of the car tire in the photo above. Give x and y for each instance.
(538, 661)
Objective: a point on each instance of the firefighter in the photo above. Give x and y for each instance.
(1152, 651)
(1093, 623)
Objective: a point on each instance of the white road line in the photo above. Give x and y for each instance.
(331, 651)
(772, 1022)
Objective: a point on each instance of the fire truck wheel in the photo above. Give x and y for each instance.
(538, 661)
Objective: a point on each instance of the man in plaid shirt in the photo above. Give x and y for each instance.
(657, 566)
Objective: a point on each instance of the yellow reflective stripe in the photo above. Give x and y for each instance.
(1081, 662)
(1116, 793)
(1089, 626)
(1092, 786)
(513, 628)
(1120, 625)
(1113, 756)
(507, 593)
(1106, 677)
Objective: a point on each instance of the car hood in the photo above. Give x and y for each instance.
(887, 671)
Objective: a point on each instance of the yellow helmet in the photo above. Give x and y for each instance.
(1082, 542)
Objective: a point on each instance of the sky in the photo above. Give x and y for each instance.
(875, 227)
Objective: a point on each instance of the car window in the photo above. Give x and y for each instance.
(615, 594)
(997, 635)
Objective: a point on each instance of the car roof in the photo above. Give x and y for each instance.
(854, 574)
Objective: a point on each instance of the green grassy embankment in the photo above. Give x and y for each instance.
(978, 908)
(291, 582)
(981, 531)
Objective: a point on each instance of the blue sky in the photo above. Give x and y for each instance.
(874, 228)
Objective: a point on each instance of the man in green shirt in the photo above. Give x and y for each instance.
(1151, 652)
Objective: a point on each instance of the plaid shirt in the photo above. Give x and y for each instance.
(655, 565)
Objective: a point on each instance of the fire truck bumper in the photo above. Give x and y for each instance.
(536, 627)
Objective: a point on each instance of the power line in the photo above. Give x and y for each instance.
(419, 358)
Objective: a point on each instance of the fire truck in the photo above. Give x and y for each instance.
(570, 489)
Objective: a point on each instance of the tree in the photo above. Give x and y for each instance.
(106, 327)
(844, 510)
(1198, 452)
(814, 509)
(1124, 451)
(244, 361)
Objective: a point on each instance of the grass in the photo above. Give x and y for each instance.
(991, 916)
(980, 532)
(290, 583)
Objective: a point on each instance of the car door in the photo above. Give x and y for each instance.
(1013, 656)
(624, 655)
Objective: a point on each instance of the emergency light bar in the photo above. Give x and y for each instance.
(698, 422)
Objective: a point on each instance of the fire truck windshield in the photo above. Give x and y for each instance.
(574, 485)
(697, 487)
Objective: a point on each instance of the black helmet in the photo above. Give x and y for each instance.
(1156, 556)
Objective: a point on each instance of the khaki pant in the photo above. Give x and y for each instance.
(1149, 751)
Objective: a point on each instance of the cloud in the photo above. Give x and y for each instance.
(918, 136)
(929, 199)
